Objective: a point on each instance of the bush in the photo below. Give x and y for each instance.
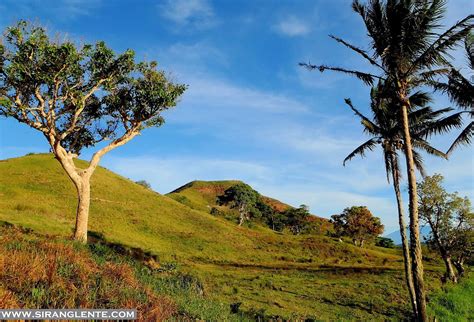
(384, 242)
(143, 183)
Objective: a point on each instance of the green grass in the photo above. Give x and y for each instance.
(309, 275)
(454, 302)
(39, 272)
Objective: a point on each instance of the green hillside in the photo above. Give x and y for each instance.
(268, 273)
(203, 195)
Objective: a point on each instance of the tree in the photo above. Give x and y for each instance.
(406, 51)
(358, 223)
(386, 131)
(451, 221)
(242, 197)
(79, 96)
(296, 219)
(273, 219)
(384, 242)
(461, 91)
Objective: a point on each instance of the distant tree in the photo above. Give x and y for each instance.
(357, 223)
(144, 183)
(384, 242)
(78, 96)
(451, 221)
(273, 219)
(243, 198)
(296, 219)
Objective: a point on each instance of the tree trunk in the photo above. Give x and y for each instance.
(459, 264)
(242, 215)
(415, 249)
(450, 274)
(403, 234)
(82, 214)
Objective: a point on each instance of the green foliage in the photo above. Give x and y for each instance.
(358, 223)
(296, 219)
(450, 218)
(79, 95)
(384, 242)
(246, 200)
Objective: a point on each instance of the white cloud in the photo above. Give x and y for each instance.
(292, 26)
(195, 13)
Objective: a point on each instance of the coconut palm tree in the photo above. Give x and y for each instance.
(386, 131)
(407, 51)
(461, 91)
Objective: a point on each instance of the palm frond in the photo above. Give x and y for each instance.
(361, 149)
(464, 138)
(418, 160)
(367, 78)
(435, 54)
(370, 126)
(440, 126)
(425, 146)
(358, 50)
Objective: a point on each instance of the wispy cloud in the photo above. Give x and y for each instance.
(292, 26)
(57, 9)
(167, 174)
(193, 13)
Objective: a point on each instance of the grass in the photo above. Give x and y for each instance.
(52, 272)
(454, 302)
(268, 273)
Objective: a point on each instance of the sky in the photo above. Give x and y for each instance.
(250, 112)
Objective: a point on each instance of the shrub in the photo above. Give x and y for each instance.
(144, 183)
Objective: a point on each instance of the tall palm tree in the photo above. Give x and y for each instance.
(406, 51)
(461, 91)
(386, 131)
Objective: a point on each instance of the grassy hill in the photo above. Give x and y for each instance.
(203, 195)
(267, 272)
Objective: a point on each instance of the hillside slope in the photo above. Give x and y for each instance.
(282, 274)
(203, 195)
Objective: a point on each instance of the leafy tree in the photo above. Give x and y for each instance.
(358, 223)
(144, 183)
(273, 219)
(242, 197)
(296, 219)
(384, 242)
(451, 221)
(461, 91)
(406, 51)
(79, 96)
(386, 131)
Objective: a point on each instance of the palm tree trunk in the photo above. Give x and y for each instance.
(415, 244)
(403, 234)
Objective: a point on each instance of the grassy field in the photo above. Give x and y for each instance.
(266, 272)
(454, 302)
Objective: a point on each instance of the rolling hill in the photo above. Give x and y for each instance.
(203, 195)
(254, 269)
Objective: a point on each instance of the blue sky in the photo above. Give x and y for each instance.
(250, 112)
